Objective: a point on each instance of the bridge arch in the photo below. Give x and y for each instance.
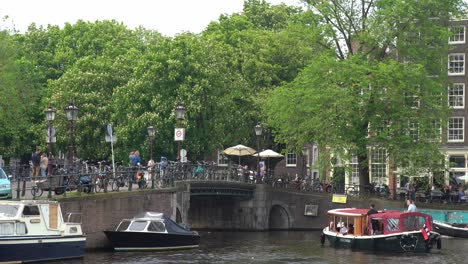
(279, 218)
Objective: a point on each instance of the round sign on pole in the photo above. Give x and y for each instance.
(179, 134)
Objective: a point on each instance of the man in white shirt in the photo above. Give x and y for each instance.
(411, 206)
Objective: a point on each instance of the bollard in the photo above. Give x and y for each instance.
(23, 191)
(152, 178)
(18, 189)
(130, 179)
(105, 182)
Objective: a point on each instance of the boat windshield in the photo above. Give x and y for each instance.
(138, 226)
(123, 225)
(8, 210)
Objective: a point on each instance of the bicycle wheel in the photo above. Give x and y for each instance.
(98, 185)
(36, 191)
(115, 184)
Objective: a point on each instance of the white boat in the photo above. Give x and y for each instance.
(37, 231)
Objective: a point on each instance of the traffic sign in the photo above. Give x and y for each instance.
(179, 134)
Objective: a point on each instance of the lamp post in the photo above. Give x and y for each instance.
(72, 115)
(180, 112)
(304, 155)
(151, 134)
(50, 117)
(258, 132)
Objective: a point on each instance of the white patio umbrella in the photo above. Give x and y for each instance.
(269, 154)
(239, 150)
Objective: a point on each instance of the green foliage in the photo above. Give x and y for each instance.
(365, 96)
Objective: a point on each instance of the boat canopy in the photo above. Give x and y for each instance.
(152, 215)
(171, 226)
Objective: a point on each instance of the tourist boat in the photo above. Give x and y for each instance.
(37, 231)
(151, 231)
(385, 231)
(454, 229)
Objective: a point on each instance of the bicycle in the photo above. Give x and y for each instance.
(100, 182)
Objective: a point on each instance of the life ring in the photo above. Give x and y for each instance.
(322, 238)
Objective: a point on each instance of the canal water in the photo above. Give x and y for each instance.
(275, 248)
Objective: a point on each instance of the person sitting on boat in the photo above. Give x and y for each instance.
(411, 206)
(343, 229)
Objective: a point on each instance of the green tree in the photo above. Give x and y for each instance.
(378, 90)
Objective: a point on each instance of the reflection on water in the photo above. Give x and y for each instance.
(276, 247)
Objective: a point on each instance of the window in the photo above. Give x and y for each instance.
(456, 64)
(457, 34)
(393, 224)
(291, 160)
(21, 229)
(354, 170)
(6, 229)
(413, 130)
(378, 166)
(156, 227)
(138, 226)
(456, 95)
(123, 225)
(457, 161)
(222, 159)
(307, 157)
(31, 210)
(437, 131)
(411, 100)
(455, 129)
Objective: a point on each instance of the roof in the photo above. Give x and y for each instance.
(382, 214)
(151, 215)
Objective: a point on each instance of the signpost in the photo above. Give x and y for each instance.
(110, 137)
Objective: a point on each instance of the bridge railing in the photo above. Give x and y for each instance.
(92, 179)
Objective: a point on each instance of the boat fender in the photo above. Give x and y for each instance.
(353, 243)
(322, 238)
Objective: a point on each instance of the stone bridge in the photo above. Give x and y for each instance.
(207, 205)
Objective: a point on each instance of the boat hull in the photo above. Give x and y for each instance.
(144, 241)
(32, 249)
(450, 230)
(406, 242)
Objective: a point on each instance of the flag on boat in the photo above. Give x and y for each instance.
(426, 231)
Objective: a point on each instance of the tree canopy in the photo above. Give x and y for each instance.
(382, 87)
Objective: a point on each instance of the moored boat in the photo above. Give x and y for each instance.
(385, 231)
(151, 231)
(37, 231)
(453, 229)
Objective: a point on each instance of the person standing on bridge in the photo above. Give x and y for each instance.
(36, 163)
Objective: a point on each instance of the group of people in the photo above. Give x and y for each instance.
(40, 162)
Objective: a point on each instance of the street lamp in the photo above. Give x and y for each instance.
(151, 164)
(50, 116)
(305, 151)
(179, 111)
(151, 134)
(258, 132)
(72, 115)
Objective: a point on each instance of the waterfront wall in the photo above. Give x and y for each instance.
(268, 209)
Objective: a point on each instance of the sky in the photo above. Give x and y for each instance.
(168, 17)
